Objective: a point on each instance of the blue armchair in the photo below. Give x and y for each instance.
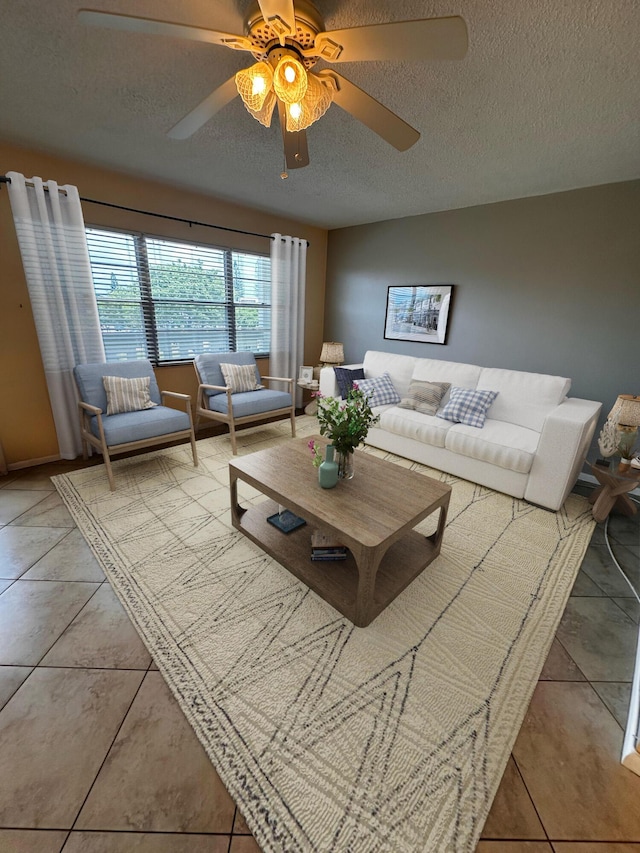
(220, 401)
(128, 428)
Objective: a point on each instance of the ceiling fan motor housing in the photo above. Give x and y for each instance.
(266, 35)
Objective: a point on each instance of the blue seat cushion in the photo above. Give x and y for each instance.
(139, 426)
(251, 402)
(89, 379)
(208, 365)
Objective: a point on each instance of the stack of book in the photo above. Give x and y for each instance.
(324, 546)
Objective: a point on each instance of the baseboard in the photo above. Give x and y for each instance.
(31, 463)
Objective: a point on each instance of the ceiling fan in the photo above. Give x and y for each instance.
(287, 38)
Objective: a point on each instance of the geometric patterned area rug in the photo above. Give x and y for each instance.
(330, 737)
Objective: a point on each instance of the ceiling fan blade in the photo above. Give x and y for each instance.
(205, 110)
(280, 15)
(296, 151)
(132, 24)
(372, 113)
(431, 38)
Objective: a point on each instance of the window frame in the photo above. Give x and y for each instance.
(148, 303)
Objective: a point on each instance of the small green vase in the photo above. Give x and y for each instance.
(328, 470)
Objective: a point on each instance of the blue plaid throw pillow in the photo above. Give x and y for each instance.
(380, 390)
(468, 407)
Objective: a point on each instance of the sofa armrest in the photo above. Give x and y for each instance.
(562, 449)
(328, 385)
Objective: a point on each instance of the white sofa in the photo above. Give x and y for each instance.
(532, 445)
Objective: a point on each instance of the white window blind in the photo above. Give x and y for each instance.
(168, 300)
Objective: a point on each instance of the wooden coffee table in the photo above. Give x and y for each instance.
(373, 515)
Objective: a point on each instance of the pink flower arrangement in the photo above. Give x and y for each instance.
(317, 453)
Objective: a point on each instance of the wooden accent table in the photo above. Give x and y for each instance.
(373, 515)
(612, 492)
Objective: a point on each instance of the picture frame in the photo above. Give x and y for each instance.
(418, 312)
(305, 374)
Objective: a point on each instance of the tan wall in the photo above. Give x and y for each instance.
(26, 425)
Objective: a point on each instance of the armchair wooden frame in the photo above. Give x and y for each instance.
(228, 418)
(89, 439)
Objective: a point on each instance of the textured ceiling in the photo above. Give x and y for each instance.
(547, 99)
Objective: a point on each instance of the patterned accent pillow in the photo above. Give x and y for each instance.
(379, 390)
(345, 377)
(127, 395)
(468, 407)
(240, 377)
(424, 397)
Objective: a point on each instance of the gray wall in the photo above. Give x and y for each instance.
(548, 284)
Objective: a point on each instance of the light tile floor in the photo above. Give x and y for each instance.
(96, 757)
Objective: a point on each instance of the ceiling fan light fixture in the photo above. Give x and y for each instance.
(264, 114)
(290, 80)
(254, 85)
(313, 106)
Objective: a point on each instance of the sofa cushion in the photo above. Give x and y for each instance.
(467, 406)
(127, 395)
(399, 367)
(251, 402)
(210, 372)
(499, 443)
(424, 397)
(380, 391)
(140, 426)
(91, 387)
(434, 370)
(525, 398)
(345, 378)
(410, 424)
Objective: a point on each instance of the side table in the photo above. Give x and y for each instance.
(612, 491)
(312, 407)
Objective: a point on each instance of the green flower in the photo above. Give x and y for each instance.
(346, 422)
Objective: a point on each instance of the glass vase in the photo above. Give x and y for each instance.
(345, 465)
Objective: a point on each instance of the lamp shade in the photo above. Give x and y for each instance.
(629, 414)
(332, 353)
(313, 106)
(264, 115)
(290, 80)
(254, 84)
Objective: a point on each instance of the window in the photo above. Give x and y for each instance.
(168, 301)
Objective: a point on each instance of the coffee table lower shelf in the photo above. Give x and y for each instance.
(337, 581)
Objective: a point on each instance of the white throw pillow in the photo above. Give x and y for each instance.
(240, 377)
(127, 395)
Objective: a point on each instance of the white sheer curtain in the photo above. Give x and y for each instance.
(53, 245)
(288, 279)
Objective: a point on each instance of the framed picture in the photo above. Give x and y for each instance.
(306, 374)
(418, 313)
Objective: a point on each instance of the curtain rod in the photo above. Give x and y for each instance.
(6, 180)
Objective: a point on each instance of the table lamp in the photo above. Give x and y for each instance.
(620, 432)
(332, 354)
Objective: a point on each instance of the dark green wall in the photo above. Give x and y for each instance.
(548, 284)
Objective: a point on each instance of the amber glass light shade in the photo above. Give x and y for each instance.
(313, 106)
(290, 80)
(254, 85)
